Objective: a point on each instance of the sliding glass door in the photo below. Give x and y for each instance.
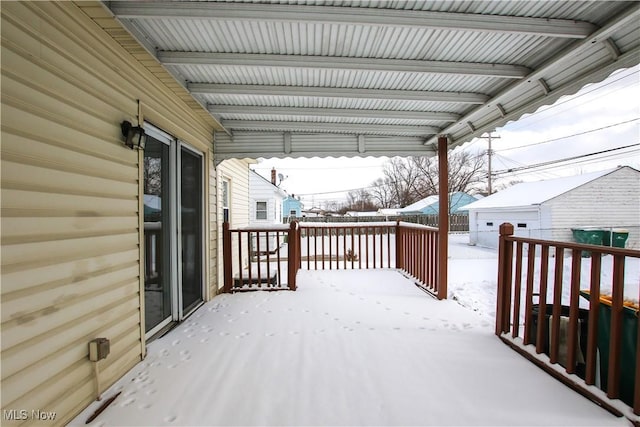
(191, 227)
(173, 230)
(157, 234)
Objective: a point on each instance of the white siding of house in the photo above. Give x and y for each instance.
(71, 203)
(263, 191)
(610, 201)
(484, 225)
(237, 173)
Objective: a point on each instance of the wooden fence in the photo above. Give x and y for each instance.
(458, 223)
(603, 337)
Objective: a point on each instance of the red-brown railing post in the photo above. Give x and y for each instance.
(293, 256)
(443, 215)
(505, 255)
(399, 250)
(617, 311)
(226, 256)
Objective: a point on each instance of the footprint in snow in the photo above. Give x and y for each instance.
(127, 402)
(176, 342)
(144, 406)
(170, 419)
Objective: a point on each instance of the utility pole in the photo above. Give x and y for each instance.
(489, 154)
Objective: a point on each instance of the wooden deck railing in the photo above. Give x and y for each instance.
(253, 258)
(417, 256)
(269, 258)
(598, 343)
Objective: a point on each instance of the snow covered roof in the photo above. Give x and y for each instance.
(358, 213)
(387, 211)
(535, 193)
(420, 204)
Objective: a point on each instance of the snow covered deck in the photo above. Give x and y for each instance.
(347, 348)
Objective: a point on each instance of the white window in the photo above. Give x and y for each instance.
(292, 213)
(225, 200)
(261, 210)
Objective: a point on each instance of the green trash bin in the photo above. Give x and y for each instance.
(589, 236)
(616, 238)
(628, 351)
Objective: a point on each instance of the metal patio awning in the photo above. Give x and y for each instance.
(359, 78)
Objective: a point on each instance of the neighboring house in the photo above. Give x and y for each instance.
(430, 205)
(98, 240)
(291, 208)
(314, 213)
(550, 209)
(265, 207)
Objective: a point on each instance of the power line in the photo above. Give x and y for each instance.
(550, 162)
(569, 136)
(571, 98)
(631, 73)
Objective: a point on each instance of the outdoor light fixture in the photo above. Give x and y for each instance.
(134, 136)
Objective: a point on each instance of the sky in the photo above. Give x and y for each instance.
(602, 116)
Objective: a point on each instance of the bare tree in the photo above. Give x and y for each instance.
(466, 173)
(401, 179)
(153, 176)
(360, 200)
(382, 193)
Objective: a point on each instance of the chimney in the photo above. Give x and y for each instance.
(273, 176)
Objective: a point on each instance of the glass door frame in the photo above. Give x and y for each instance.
(175, 243)
(179, 146)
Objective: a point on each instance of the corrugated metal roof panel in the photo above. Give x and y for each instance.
(281, 76)
(329, 120)
(386, 31)
(306, 101)
(332, 40)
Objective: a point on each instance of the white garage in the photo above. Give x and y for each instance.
(550, 209)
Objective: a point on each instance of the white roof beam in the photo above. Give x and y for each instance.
(325, 92)
(333, 112)
(352, 15)
(327, 127)
(505, 71)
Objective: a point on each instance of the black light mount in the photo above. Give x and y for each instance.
(134, 136)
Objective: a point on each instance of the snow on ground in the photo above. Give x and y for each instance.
(473, 276)
(347, 348)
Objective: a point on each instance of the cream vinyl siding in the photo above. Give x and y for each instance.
(236, 171)
(71, 239)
